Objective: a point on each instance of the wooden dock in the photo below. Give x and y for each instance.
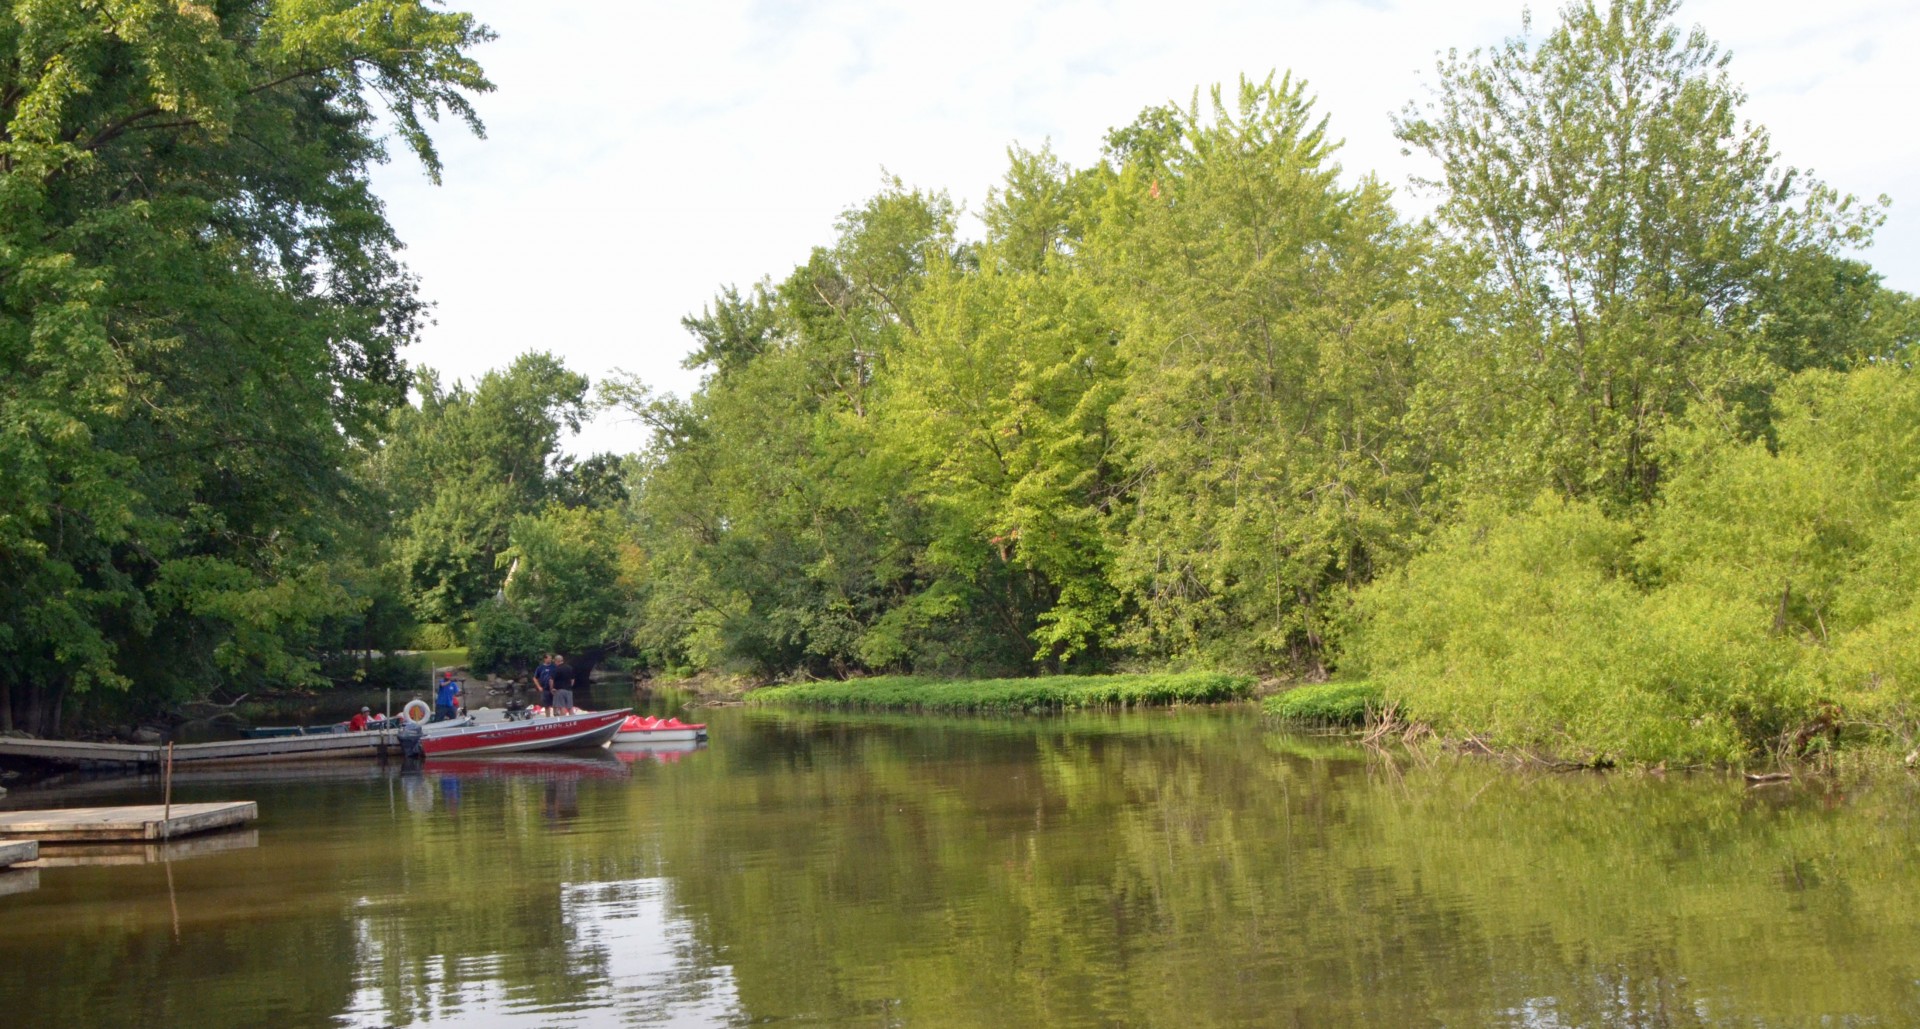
(18, 852)
(88, 855)
(334, 745)
(140, 822)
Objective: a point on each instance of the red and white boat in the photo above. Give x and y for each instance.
(658, 730)
(560, 732)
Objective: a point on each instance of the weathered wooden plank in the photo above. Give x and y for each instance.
(133, 822)
(18, 852)
(72, 752)
(355, 744)
(351, 744)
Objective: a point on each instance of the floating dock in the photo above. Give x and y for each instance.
(18, 852)
(140, 822)
(333, 745)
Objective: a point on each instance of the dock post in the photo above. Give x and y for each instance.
(166, 779)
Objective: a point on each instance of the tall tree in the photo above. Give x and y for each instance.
(464, 464)
(1637, 243)
(1268, 328)
(200, 306)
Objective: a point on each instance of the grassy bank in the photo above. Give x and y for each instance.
(1332, 703)
(904, 693)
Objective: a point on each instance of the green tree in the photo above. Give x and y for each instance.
(774, 524)
(464, 464)
(999, 403)
(1639, 249)
(1268, 323)
(200, 306)
(572, 577)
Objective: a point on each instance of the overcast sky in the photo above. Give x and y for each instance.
(641, 155)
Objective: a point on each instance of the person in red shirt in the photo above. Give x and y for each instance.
(358, 723)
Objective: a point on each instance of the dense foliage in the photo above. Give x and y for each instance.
(1766, 604)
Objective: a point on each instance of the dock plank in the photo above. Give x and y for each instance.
(132, 822)
(18, 852)
(73, 752)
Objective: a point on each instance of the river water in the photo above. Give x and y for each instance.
(1188, 868)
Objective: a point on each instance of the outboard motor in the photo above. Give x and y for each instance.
(410, 735)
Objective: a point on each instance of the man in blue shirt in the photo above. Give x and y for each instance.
(445, 697)
(543, 675)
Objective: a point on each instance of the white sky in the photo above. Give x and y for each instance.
(641, 155)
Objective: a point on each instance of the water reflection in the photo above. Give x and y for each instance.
(1185, 868)
(629, 960)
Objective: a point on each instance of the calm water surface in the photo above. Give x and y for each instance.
(1158, 869)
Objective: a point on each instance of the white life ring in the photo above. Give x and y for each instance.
(417, 711)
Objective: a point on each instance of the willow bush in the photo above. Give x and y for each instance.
(1764, 607)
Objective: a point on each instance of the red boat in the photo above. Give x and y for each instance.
(563, 732)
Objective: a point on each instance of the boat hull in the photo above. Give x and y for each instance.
(658, 735)
(567, 732)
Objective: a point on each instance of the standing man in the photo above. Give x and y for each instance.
(543, 675)
(562, 685)
(446, 696)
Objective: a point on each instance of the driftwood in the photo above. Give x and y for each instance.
(230, 705)
(1766, 778)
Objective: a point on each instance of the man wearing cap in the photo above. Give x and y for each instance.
(358, 723)
(446, 697)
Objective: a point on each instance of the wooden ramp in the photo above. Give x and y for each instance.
(71, 752)
(18, 852)
(139, 822)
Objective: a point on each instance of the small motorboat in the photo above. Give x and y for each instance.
(560, 732)
(658, 730)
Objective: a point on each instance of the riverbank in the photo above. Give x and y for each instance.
(906, 693)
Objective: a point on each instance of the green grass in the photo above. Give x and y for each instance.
(452, 657)
(1333, 703)
(904, 693)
